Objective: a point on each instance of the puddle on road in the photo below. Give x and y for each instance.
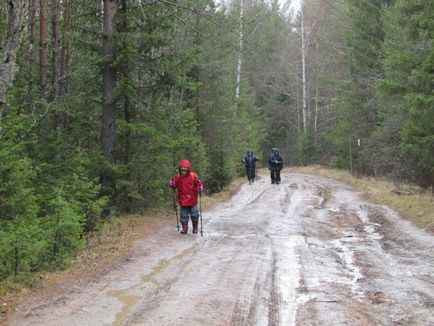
(128, 301)
(148, 278)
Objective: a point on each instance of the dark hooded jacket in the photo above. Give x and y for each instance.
(275, 161)
(250, 160)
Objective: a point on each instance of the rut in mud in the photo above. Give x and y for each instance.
(309, 251)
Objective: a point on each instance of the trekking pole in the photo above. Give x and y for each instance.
(176, 209)
(200, 213)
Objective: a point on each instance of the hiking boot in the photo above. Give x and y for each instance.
(195, 223)
(184, 229)
(194, 230)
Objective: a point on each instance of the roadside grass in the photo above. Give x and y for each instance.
(410, 201)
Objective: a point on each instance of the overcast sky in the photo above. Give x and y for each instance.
(295, 4)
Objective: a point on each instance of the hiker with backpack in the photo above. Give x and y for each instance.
(189, 187)
(250, 161)
(275, 164)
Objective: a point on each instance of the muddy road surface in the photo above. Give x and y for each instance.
(308, 251)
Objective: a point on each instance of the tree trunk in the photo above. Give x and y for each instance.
(16, 256)
(123, 194)
(55, 59)
(31, 53)
(299, 121)
(108, 137)
(315, 125)
(109, 82)
(303, 67)
(43, 44)
(240, 51)
(126, 72)
(16, 14)
(64, 56)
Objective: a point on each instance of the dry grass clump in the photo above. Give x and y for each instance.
(9, 293)
(108, 242)
(410, 201)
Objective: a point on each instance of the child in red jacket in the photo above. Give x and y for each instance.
(189, 186)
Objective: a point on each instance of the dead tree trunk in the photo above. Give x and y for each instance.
(17, 10)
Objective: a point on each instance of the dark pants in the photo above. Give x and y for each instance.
(189, 212)
(275, 176)
(250, 174)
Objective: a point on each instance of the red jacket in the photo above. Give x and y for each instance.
(188, 185)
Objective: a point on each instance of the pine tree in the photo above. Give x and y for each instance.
(409, 79)
(358, 112)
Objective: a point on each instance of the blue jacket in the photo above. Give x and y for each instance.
(250, 160)
(275, 161)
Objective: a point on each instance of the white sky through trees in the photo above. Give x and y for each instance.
(294, 4)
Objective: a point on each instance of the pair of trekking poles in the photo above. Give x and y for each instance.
(175, 206)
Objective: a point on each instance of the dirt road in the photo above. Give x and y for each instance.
(309, 251)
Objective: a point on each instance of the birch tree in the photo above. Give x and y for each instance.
(240, 50)
(303, 67)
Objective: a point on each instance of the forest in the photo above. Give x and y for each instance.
(100, 100)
